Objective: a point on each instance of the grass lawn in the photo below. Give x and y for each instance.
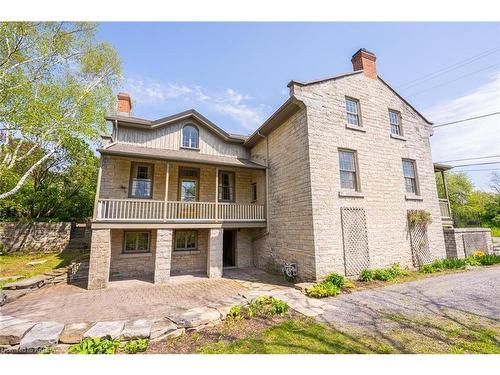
(15, 265)
(452, 332)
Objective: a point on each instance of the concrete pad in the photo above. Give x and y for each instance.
(73, 332)
(41, 335)
(137, 329)
(162, 328)
(112, 329)
(11, 334)
(195, 317)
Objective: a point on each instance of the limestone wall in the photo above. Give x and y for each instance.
(462, 242)
(34, 237)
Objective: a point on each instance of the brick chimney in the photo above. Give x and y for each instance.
(124, 104)
(365, 60)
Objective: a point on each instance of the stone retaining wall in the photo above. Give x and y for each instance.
(34, 237)
(462, 242)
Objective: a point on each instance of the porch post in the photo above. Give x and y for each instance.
(445, 187)
(165, 202)
(216, 194)
(214, 256)
(163, 257)
(100, 259)
(98, 189)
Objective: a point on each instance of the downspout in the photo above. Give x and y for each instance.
(267, 183)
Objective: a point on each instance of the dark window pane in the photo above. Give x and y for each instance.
(190, 137)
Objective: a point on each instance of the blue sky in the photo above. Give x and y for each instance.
(236, 73)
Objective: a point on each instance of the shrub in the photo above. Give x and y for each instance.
(267, 306)
(349, 284)
(382, 275)
(366, 275)
(336, 279)
(324, 289)
(478, 253)
(95, 345)
(489, 259)
(419, 217)
(234, 312)
(136, 346)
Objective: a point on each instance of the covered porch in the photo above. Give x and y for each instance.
(156, 254)
(444, 201)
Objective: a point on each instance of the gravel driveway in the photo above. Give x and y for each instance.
(475, 292)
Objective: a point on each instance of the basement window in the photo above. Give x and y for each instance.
(186, 240)
(136, 242)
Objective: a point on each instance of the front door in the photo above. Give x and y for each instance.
(228, 242)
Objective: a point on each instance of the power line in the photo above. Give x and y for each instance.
(466, 119)
(479, 157)
(471, 164)
(450, 68)
(456, 79)
(477, 170)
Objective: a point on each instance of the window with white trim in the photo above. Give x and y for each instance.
(141, 181)
(190, 137)
(226, 186)
(395, 121)
(410, 175)
(136, 242)
(186, 240)
(348, 170)
(352, 109)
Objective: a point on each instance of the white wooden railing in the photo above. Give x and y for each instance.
(154, 210)
(444, 206)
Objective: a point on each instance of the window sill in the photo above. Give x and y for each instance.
(399, 137)
(356, 128)
(135, 255)
(413, 197)
(186, 252)
(350, 194)
(189, 148)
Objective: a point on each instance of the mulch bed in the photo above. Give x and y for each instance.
(228, 331)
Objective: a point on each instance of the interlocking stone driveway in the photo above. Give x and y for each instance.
(130, 299)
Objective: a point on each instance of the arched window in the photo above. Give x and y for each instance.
(190, 136)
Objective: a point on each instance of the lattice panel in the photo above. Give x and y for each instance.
(419, 244)
(474, 242)
(356, 255)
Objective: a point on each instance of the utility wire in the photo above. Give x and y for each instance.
(479, 157)
(476, 170)
(449, 68)
(453, 80)
(471, 164)
(466, 119)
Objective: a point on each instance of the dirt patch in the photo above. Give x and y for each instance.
(228, 331)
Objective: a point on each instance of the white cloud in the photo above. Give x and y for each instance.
(228, 102)
(470, 139)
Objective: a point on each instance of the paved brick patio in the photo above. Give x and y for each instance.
(127, 299)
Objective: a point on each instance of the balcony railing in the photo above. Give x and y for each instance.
(154, 210)
(444, 206)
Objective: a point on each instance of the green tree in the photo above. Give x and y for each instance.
(56, 85)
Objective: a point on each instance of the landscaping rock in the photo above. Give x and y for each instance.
(12, 295)
(303, 286)
(73, 333)
(3, 298)
(161, 328)
(32, 282)
(137, 329)
(172, 334)
(103, 329)
(11, 333)
(41, 335)
(36, 262)
(224, 309)
(13, 278)
(9, 349)
(195, 317)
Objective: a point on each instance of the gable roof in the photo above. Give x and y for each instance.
(306, 83)
(165, 121)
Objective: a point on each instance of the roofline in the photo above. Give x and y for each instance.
(441, 167)
(148, 124)
(306, 83)
(251, 165)
(283, 113)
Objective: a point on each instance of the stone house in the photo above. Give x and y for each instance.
(325, 184)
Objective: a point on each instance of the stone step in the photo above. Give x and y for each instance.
(32, 282)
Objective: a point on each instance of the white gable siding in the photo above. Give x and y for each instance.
(170, 137)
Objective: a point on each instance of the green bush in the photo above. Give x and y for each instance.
(95, 345)
(366, 275)
(234, 312)
(336, 279)
(136, 346)
(324, 289)
(489, 259)
(267, 306)
(382, 275)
